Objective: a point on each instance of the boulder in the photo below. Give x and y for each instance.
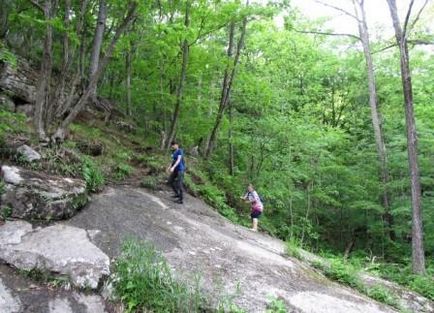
(6, 103)
(59, 249)
(28, 153)
(33, 195)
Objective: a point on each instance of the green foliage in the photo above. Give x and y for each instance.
(92, 175)
(343, 273)
(402, 274)
(293, 249)
(276, 305)
(150, 182)
(122, 171)
(144, 281)
(382, 295)
(5, 212)
(11, 124)
(45, 277)
(7, 56)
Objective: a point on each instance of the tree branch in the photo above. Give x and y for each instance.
(415, 42)
(327, 33)
(37, 5)
(338, 9)
(407, 18)
(418, 15)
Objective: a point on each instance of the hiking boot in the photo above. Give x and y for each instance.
(175, 196)
(179, 201)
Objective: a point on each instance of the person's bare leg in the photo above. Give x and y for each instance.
(254, 224)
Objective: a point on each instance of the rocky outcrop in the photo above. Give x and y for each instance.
(8, 303)
(19, 294)
(19, 80)
(6, 103)
(60, 249)
(32, 195)
(250, 268)
(28, 153)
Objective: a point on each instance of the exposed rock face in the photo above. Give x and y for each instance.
(22, 295)
(8, 304)
(60, 249)
(19, 81)
(33, 195)
(6, 103)
(229, 259)
(28, 153)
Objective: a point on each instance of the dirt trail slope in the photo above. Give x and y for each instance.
(195, 239)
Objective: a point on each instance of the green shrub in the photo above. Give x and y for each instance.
(423, 285)
(383, 295)
(150, 182)
(343, 273)
(7, 56)
(5, 212)
(122, 171)
(402, 274)
(92, 175)
(276, 306)
(144, 282)
(293, 249)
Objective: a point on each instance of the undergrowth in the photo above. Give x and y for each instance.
(92, 175)
(144, 282)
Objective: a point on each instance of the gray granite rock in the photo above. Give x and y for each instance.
(33, 195)
(59, 249)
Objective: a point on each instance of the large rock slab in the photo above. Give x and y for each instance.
(33, 195)
(60, 249)
(250, 268)
(8, 303)
(19, 294)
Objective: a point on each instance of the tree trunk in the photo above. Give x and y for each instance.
(418, 256)
(227, 84)
(128, 82)
(60, 96)
(43, 88)
(97, 41)
(231, 144)
(375, 116)
(180, 88)
(59, 135)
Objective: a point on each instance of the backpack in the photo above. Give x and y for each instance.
(260, 198)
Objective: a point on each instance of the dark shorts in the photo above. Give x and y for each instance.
(255, 214)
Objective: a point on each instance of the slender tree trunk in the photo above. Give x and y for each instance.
(128, 80)
(43, 87)
(59, 135)
(60, 94)
(231, 144)
(418, 256)
(375, 115)
(97, 41)
(180, 88)
(227, 84)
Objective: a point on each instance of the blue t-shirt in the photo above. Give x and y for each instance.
(181, 166)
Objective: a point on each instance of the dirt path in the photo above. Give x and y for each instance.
(195, 239)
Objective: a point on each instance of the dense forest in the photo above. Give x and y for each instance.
(336, 131)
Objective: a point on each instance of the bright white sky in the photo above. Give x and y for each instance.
(377, 11)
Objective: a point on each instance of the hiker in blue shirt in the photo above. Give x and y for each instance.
(177, 169)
